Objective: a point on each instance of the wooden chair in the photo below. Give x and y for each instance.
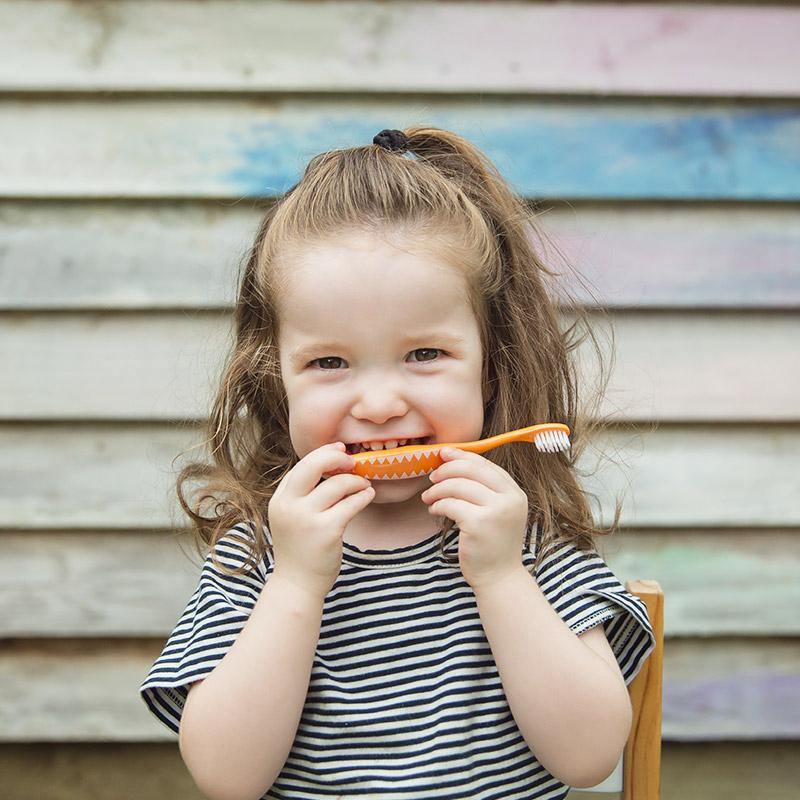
(637, 775)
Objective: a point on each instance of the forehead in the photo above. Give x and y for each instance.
(364, 284)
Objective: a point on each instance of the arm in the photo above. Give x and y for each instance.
(571, 706)
(238, 725)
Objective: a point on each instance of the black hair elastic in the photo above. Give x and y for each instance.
(391, 139)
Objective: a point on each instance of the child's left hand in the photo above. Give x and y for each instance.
(490, 510)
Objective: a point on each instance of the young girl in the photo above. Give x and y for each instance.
(450, 636)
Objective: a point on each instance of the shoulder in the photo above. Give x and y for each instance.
(560, 556)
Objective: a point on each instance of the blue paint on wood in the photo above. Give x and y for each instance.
(570, 150)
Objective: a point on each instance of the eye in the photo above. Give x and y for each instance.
(427, 350)
(325, 358)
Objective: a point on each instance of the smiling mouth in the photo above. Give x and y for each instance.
(357, 447)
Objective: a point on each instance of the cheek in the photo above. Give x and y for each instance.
(314, 417)
(305, 395)
(455, 407)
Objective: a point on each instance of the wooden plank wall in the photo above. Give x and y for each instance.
(663, 142)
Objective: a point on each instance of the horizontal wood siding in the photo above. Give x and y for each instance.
(234, 147)
(133, 583)
(673, 366)
(659, 145)
(79, 254)
(570, 48)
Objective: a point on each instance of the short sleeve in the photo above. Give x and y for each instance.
(207, 628)
(584, 592)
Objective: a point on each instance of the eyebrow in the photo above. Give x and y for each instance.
(300, 354)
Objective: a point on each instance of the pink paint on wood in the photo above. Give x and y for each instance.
(637, 49)
(720, 259)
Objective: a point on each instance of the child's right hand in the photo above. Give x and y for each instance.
(307, 520)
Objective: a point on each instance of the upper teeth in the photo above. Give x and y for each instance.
(384, 445)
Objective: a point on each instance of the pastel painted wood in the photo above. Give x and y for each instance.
(96, 255)
(94, 369)
(720, 690)
(543, 48)
(725, 475)
(132, 583)
(236, 148)
(663, 141)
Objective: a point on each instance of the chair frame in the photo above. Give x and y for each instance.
(642, 757)
(637, 776)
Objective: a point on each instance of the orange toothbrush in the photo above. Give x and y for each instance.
(414, 460)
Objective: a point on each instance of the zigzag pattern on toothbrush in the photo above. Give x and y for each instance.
(414, 460)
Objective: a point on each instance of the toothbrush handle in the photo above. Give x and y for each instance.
(479, 446)
(520, 435)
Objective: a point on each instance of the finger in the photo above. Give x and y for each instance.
(452, 507)
(331, 491)
(347, 508)
(307, 473)
(461, 488)
(449, 454)
(478, 468)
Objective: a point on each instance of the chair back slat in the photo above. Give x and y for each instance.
(641, 760)
(638, 771)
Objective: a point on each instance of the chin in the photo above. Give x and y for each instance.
(400, 486)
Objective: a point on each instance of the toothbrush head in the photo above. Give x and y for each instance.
(409, 461)
(552, 441)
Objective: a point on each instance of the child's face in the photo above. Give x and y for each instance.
(377, 343)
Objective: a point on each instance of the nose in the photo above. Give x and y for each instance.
(379, 400)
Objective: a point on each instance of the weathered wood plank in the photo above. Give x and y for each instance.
(137, 584)
(70, 691)
(748, 688)
(235, 148)
(96, 771)
(689, 771)
(166, 365)
(122, 255)
(112, 476)
(129, 255)
(532, 47)
(723, 771)
(666, 256)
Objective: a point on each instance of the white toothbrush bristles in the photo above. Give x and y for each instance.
(552, 441)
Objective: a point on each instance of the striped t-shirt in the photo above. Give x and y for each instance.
(405, 700)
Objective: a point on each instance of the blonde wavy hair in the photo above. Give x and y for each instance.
(447, 196)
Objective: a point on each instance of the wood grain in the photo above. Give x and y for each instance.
(499, 47)
(120, 475)
(673, 366)
(235, 148)
(87, 690)
(642, 755)
(80, 771)
(74, 255)
(134, 147)
(134, 583)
